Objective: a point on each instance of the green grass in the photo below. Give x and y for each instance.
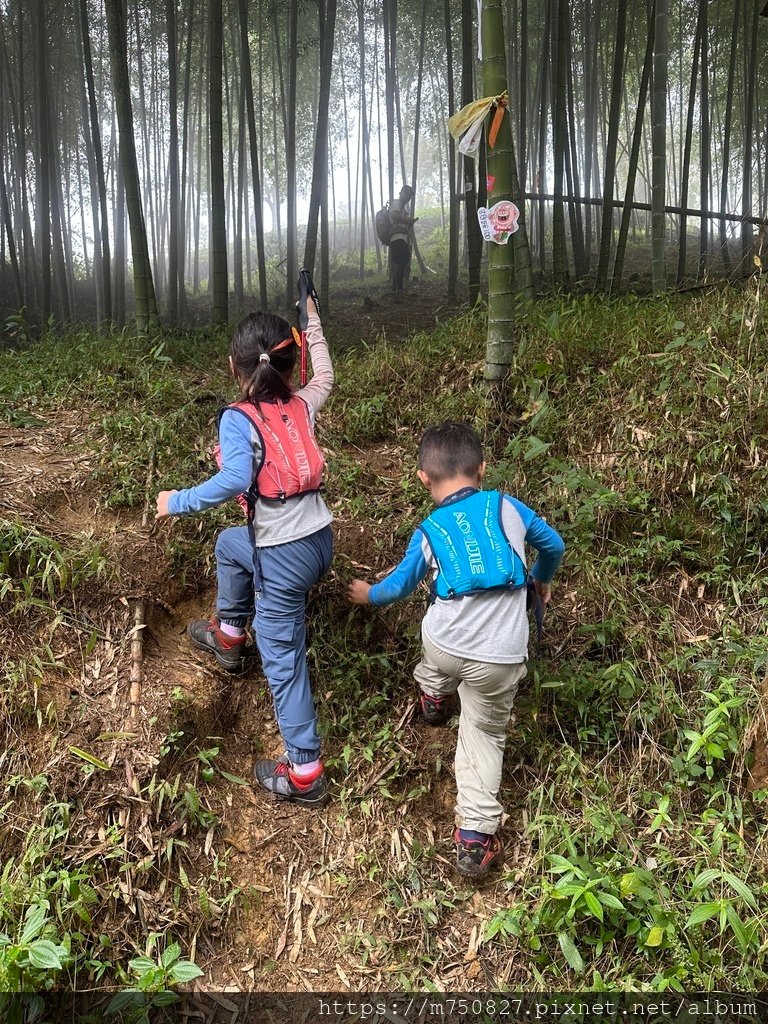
(638, 427)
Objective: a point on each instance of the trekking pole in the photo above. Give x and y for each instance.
(535, 604)
(307, 290)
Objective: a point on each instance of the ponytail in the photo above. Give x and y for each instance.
(263, 352)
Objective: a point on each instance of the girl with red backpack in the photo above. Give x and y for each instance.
(270, 460)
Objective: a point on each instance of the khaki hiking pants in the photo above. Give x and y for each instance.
(487, 694)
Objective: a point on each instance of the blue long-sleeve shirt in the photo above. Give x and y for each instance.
(491, 625)
(275, 523)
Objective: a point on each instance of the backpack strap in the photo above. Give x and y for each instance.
(252, 494)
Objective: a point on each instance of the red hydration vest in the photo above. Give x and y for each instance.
(290, 461)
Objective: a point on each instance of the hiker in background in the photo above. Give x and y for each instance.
(265, 569)
(475, 631)
(400, 237)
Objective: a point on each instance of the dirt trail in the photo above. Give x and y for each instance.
(319, 890)
(297, 919)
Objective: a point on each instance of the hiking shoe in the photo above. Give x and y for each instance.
(474, 857)
(277, 778)
(232, 653)
(434, 710)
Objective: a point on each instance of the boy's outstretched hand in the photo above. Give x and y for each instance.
(162, 504)
(357, 592)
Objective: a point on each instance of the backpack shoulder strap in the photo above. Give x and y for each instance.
(248, 410)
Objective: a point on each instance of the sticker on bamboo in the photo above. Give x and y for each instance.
(499, 222)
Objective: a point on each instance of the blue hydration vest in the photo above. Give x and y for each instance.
(471, 549)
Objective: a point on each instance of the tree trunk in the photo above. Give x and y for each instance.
(501, 294)
(291, 263)
(389, 91)
(750, 58)
(559, 139)
(705, 143)
(103, 219)
(173, 165)
(727, 136)
(5, 214)
(659, 148)
(634, 155)
(258, 212)
(453, 209)
(686, 168)
(144, 292)
(474, 238)
(218, 232)
(43, 177)
(606, 225)
(184, 225)
(320, 160)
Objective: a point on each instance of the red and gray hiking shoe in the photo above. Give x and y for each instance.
(232, 653)
(277, 778)
(434, 710)
(474, 857)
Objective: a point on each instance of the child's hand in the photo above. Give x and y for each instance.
(311, 307)
(162, 504)
(543, 590)
(357, 592)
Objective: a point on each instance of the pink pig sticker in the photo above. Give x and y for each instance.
(498, 223)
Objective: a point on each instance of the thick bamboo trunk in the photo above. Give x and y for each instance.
(218, 234)
(659, 148)
(320, 158)
(144, 293)
(258, 213)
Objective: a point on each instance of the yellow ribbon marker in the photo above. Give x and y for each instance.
(467, 123)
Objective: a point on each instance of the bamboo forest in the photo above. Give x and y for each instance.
(383, 510)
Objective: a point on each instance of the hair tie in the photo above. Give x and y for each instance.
(264, 358)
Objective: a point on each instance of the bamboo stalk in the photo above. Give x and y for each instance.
(139, 616)
(137, 657)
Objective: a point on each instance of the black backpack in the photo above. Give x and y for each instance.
(384, 225)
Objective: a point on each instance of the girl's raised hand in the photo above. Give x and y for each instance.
(162, 504)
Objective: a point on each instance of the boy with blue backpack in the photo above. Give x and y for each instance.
(475, 631)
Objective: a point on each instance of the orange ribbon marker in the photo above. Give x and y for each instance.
(501, 105)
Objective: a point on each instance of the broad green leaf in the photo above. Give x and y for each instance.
(33, 924)
(594, 905)
(185, 970)
(535, 447)
(172, 954)
(655, 936)
(741, 933)
(629, 884)
(165, 998)
(45, 955)
(609, 900)
(741, 888)
(90, 758)
(705, 877)
(702, 913)
(141, 964)
(123, 1000)
(571, 954)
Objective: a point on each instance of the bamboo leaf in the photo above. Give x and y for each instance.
(90, 758)
(570, 952)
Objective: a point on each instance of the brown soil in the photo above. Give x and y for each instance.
(315, 886)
